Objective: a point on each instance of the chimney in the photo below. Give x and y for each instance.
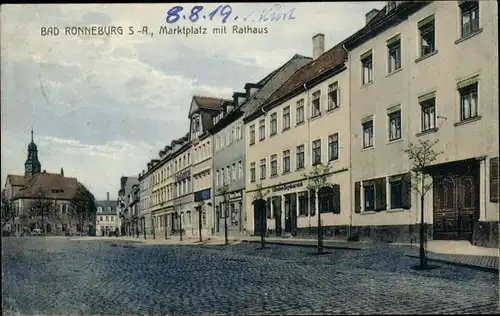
(370, 15)
(318, 45)
(62, 172)
(107, 196)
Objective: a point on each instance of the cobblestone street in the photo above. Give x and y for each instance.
(58, 276)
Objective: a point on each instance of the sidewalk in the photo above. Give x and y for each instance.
(172, 240)
(460, 253)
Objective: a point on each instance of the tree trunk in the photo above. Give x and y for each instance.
(200, 226)
(423, 261)
(262, 223)
(226, 241)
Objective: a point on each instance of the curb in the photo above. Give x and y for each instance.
(459, 264)
(274, 242)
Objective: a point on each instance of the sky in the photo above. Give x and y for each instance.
(101, 107)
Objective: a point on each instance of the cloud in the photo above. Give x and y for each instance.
(102, 106)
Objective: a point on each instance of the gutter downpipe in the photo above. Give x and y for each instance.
(306, 110)
(349, 229)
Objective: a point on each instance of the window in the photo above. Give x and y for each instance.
(428, 114)
(316, 104)
(333, 96)
(252, 172)
(286, 161)
(274, 124)
(238, 131)
(286, 118)
(100, 218)
(468, 102)
(367, 64)
(64, 208)
(300, 112)
(333, 147)
(107, 218)
(394, 54)
(262, 129)
(427, 36)
(228, 175)
(396, 193)
(274, 165)
(240, 169)
(368, 134)
(369, 198)
(262, 169)
(470, 17)
(217, 178)
(375, 194)
(300, 161)
(303, 203)
(233, 171)
(316, 152)
(394, 125)
(251, 134)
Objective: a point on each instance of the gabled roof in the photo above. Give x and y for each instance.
(272, 82)
(16, 180)
(209, 102)
(50, 186)
(105, 204)
(327, 61)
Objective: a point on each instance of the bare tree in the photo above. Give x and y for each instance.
(41, 207)
(8, 212)
(259, 202)
(200, 206)
(83, 206)
(421, 156)
(177, 209)
(224, 191)
(317, 179)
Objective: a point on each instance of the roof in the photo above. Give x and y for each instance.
(328, 60)
(50, 186)
(105, 204)
(209, 102)
(383, 20)
(16, 180)
(272, 82)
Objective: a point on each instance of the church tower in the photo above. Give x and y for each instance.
(32, 165)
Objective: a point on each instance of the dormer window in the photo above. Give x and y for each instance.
(196, 124)
(391, 5)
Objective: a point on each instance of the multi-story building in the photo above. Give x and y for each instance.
(145, 184)
(44, 200)
(107, 219)
(162, 194)
(133, 199)
(229, 147)
(304, 123)
(426, 71)
(201, 114)
(181, 217)
(126, 216)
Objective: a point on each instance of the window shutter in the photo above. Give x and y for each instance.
(406, 190)
(336, 199)
(338, 95)
(357, 197)
(268, 207)
(494, 187)
(380, 195)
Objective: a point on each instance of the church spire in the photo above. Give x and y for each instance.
(32, 164)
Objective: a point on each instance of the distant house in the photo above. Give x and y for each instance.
(107, 218)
